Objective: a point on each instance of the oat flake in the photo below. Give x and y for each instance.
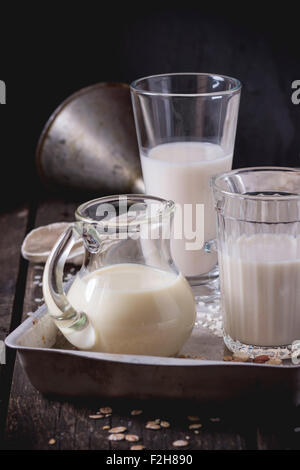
(117, 430)
(132, 437)
(106, 409)
(116, 437)
(180, 443)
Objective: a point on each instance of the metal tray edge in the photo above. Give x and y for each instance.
(11, 342)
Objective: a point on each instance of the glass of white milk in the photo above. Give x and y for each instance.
(186, 125)
(258, 212)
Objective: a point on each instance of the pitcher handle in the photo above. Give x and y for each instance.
(73, 324)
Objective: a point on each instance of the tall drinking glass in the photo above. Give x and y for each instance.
(186, 126)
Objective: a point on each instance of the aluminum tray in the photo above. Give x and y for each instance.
(55, 367)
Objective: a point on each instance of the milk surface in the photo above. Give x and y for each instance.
(181, 172)
(260, 285)
(135, 309)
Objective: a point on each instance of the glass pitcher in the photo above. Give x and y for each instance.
(128, 297)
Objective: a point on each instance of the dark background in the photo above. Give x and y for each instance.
(48, 53)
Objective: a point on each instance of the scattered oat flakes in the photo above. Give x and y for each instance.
(195, 426)
(105, 428)
(275, 361)
(107, 415)
(117, 430)
(261, 359)
(165, 424)
(193, 418)
(136, 412)
(96, 416)
(106, 410)
(240, 356)
(187, 438)
(196, 431)
(227, 358)
(152, 425)
(116, 437)
(180, 443)
(137, 447)
(215, 420)
(52, 441)
(132, 437)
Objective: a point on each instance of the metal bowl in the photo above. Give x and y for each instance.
(89, 143)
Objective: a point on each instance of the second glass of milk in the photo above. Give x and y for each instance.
(258, 213)
(186, 125)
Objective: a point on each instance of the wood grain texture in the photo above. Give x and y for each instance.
(13, 227)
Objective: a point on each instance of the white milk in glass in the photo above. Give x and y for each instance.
(135, 309)
(181, 171)
(260, 285)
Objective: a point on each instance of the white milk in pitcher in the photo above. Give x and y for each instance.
(136, 309)
(181, 172)
(260, 285)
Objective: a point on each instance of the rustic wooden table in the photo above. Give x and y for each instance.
(29, 420)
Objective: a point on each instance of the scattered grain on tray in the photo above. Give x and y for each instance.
(132, 438)
(117, 430)
(227, 358)
(165, 424)
(261, 359)
(137, 447)
(193, 418)
(180, 443)
(116, 437)
(195, 426)
(196, 431)
(51, 441)
(136, 412)
(240, 356)
(105, 428)
(187, 438)
(105, 410)
(275, 361)
(96, 416)
(153, 425)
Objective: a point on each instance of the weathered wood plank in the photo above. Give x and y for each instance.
(279, 429)
(13, 227)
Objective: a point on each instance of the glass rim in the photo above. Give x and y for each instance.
(214, 183)
(167, 208)
(134, 85)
